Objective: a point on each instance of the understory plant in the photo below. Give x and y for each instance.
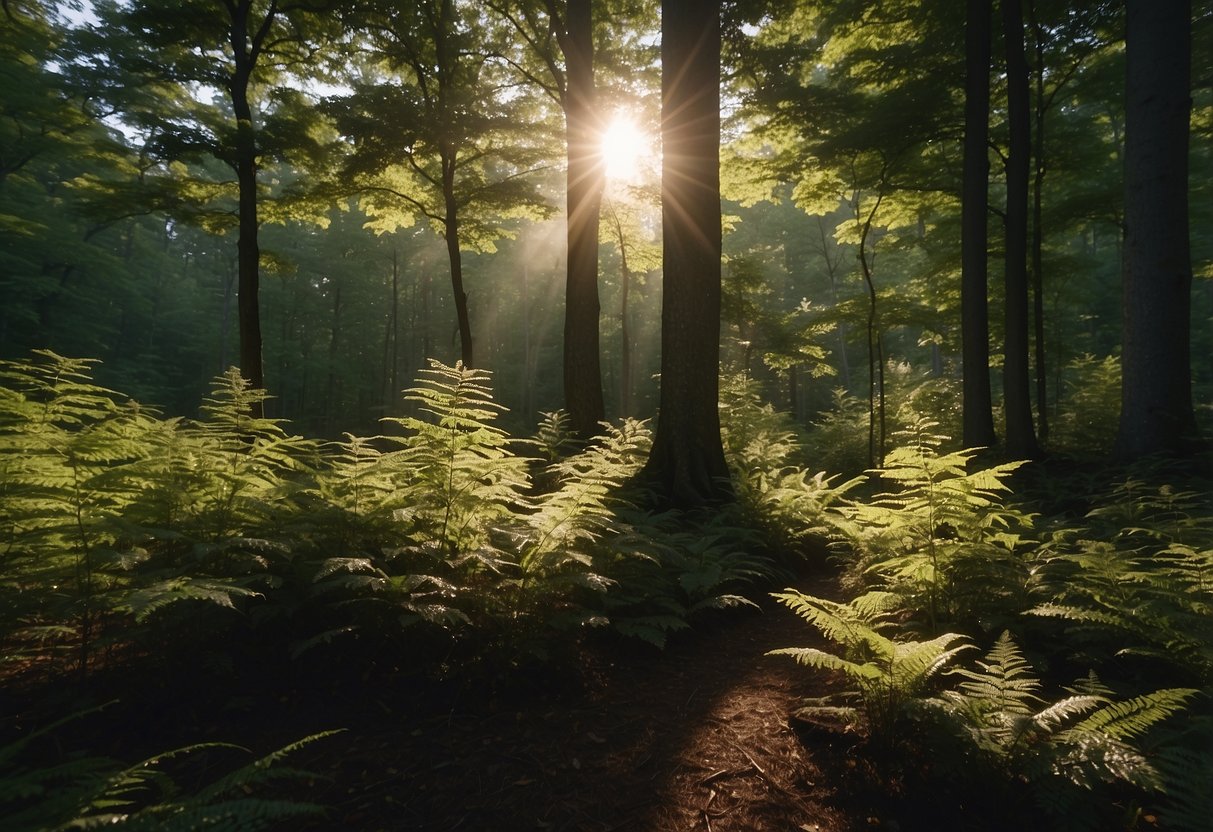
(940, 535)
(1070, 757)
(884, 677)
(46, 789)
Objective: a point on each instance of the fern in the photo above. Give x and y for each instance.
(1138, 580)
(883, 676)
(465, 478)
(1062, 749)
(942, 537)
(72, 790)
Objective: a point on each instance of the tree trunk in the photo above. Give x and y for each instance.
(582, 365)
(1016, 383)
(248, 253)
(977, 417)
(1156, 392)
(686, 467)
(877, 420)
(451, 233)
(1038, 181)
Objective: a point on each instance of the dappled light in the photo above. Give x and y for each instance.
(513, 416)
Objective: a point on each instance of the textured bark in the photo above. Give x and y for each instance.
(582, 365)
(1156, 396)
(1016, 382)
(977, 418)
(686, 467)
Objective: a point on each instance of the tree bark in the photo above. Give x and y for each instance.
(455, 256)
(582, 364)
(1156, 391)
(686, 467)
(1016, 383)
(1038, 281)
(246, 47)
(977, 417)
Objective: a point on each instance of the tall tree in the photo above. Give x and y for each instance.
(170, 54)
(1156, 393)
(1016, 384)
(977, 419)
(686, 467)
(582, 364)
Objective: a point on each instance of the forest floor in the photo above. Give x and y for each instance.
(695, 737)
(698, 736)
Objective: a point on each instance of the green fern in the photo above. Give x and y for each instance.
(81, 791)
(883, 676)
(1062, 749)
(942, 538)
(464, 476)
(1137, 580)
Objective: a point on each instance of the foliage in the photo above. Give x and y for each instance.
(1061, 751)
(940, 536)
(1137, 580)
(883, 677)
(786, 501)
(76, 790)
(1088, 421)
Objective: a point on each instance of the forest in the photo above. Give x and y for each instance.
(601, 415)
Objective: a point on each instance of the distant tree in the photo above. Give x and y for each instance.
(977, 417)
(434, 134)
(686, 467)
(1156, 394)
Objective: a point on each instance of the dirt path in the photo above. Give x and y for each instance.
(693, 738)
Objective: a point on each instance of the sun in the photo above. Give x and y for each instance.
(626, 150)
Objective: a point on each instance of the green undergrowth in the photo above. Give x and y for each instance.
(1020, 669)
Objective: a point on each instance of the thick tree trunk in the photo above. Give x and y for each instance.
(686, 467)
(977, 418)
(1156, 394)
(582, 365)
(1016, 383)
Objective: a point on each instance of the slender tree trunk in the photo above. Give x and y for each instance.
(1016, 385)
(1038, 181)
(1156, 391)
(248, 253)
(394, 373)
(832, 271)
(876, 394)
(330, 397)
(625, 333)
(451, 233)
(582, 364)
(686, 467)
(977, 417)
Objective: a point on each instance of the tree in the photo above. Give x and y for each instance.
(686, 467)
(434, 135)
(582, 365)
(164, 56)
(1156, 390)
(1016, 384)
(977, 418)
